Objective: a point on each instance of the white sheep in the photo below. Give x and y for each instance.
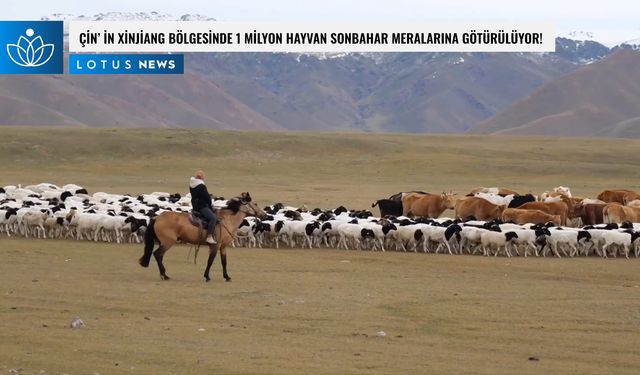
(621, 239)
(497, 240)
(34, 220)
(561, 238)
(405, 237)
(355, 233)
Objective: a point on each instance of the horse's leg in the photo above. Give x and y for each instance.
(159, 254)
(213, 250)
(223, 258)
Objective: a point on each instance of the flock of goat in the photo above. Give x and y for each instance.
(489, 221)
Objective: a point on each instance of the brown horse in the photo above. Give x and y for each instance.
(171, 227)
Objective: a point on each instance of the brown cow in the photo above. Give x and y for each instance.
(478, 208)
(409, 198)
(629, 197)
(427, 205)
(520, 216)
(562, 208)
(616, 213)
(591, 214)
(614, 195)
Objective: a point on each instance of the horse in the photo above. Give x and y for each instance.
(170, 227)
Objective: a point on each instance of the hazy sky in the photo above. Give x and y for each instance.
(611, 20)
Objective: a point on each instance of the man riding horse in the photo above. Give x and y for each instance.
(171, 227)
(201, 202)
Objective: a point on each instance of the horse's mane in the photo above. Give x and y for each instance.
(233, 205)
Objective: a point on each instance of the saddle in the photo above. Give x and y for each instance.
(196, 219)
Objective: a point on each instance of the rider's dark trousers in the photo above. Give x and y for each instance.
(211, 218)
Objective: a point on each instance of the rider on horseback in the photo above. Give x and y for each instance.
(201, 202)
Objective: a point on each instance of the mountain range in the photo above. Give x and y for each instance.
(600, 99)
(584, 88)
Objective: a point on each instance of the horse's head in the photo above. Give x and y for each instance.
(245, 204)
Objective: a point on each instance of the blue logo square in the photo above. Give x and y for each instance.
(31, 47)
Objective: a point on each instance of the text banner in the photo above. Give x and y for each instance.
(213, 36)
(126, 64)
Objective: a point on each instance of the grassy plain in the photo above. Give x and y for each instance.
(312, 311)
(316, 169)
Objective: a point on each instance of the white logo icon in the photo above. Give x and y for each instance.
(30, 52)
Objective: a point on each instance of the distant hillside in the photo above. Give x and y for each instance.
(595, 100)
(374, 92)
(124, 101)
(626, 129)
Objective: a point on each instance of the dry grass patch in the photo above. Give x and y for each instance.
(314, 311)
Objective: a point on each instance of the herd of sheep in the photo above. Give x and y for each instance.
(49, 211)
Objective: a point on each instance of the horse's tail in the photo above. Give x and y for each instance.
(149, 241)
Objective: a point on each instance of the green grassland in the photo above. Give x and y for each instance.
(292, 311)
(316, 169)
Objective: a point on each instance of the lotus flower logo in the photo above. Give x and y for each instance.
(30, 51)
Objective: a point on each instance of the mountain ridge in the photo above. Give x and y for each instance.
(587, 102)
(371, 92)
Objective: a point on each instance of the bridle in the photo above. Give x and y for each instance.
(244, 203)
(253, 210)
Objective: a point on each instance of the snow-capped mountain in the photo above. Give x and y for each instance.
(580, 35)
(395, 92)
(122, 16)
(631, 44)
(127, 16)
(608, 38)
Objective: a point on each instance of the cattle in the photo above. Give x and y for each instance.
(408, 199)
(590, 214)
(616, 213)
(392, 206)
(493, 190)
(522, 216)
(478, 208)
(398, 196)
(614, 195)
(630, 197)
(427, 206)
(496, 199)
(556, 192)
(388, 207)
(519, 200)
(552, 208)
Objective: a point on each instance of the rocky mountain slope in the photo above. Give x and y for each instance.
(391, 92)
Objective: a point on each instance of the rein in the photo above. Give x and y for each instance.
(202, 234)
(227, 229)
